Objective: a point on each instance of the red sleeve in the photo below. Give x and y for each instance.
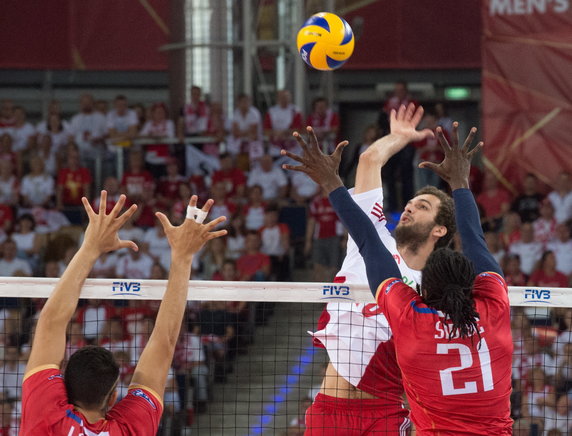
(491, 285)
(85, 176)
(44, 397)
(267, 122)
(297, 121)
(139, 412)
(394, 297)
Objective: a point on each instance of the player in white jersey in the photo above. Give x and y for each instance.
(362, 391)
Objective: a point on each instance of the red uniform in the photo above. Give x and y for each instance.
(73, 182)
(457, 386)
(326, 219)
(46, 411)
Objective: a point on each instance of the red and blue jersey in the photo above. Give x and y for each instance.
(46, 411)
(458, 385)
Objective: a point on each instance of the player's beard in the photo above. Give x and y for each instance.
(413, 236)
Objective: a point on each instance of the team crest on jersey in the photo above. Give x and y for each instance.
(141, 394)
(53, 377)
(390, 284)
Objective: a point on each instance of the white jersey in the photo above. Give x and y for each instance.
(353, 332)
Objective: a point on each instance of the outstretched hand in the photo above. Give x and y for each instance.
(188, 238)
(456, 166)
(404, 122)
(101, 233)
(321, 168)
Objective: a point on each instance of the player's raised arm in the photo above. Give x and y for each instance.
(454, 169)
(185, 240)
(100, 237)
(403, 124)
(323, 169)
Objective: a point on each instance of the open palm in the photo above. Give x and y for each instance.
(404, 122)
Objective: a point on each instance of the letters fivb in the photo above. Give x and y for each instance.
(126, 287)
(537, 294)
(336, 290)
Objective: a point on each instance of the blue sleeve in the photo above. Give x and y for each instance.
(379, 262)
(472, 237)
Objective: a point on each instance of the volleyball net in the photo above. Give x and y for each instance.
(245, 363)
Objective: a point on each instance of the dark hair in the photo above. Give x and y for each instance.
(447, 283)
(445, 214)
(318, 100)
(29, 217)
(90, 376)
(120, 97)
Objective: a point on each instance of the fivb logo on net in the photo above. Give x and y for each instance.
(537, 296)
(339, 292)
(120, 287)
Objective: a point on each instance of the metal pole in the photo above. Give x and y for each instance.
(329, 75)
(282, 36)
(247, 46)
(298, 9)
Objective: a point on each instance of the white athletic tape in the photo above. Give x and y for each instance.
(194, 213)
(202, 290)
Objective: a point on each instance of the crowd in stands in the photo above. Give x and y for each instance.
(276, 220)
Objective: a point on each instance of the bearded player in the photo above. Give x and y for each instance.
(362, 391)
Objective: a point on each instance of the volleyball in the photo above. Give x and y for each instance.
(325, 41)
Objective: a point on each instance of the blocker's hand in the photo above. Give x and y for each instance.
(404, 122)
(321, 168)
(456, 166)
(101, 233)
(188, 238)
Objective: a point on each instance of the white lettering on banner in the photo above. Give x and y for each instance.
(527, 7)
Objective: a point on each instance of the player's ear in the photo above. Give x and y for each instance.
(439, 231)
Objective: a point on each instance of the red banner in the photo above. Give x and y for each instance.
(527, 88)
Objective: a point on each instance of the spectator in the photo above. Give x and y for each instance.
(495, 247)
(445, 121)
(513, 275)
(510, 231)
(189, 363)
(279, 122)
(37, 186)
(92, 317)
(236, 237)
(115, 338)
(234, 179)
(545, 225)
(494, 201)
(563, 377)
(140, 335)
(558, 419)
(400, 166)
(121, 122)
(217, 128)
(29, 243)
(322, 238)
(527, 248)
(88, 128)
(246, 133)
(168, 189)
(562, 249)
(141, 113)
(102, 106)
(430, 150)
(44, 126)
(50, 157)
(325, 122)
(216, 328)
(105, 266)
(272, 180)
(303, 188)
(73, 183)
(12, 370)
(546, 275)
(351, 156)
(9, 184)
(158, 127)
(275, 238)
(6, 221)
(253, 211)
(193, 117)
(129, 233)
(222, 205)
(76, 339)
(10, 265)
(253, 264)
(136, 178)
(527, 204)
(111, 185)
(212, 258)
(135, 265)
(23, 133)
(561, 197)
(155, 243)
(7, 114)
(144, 216)
(538, 395)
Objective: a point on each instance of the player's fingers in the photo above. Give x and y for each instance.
(292, 156)
(217, 234)
(212, 224)
(417, 116)
(301, 141)
(392, 116)
(431, 166)
(469, 139)
(127, 215)
(313, 139)
(88, 209)
(409, 111)
(207, 206)
(163, 220)
(193, 201)
(475, 150)
(401, 112)
(443, 141)
(339, 149)
(102, 202)
(300, 168)
(118, 206)
(455, 135)
(427, 133)
(128, 244)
